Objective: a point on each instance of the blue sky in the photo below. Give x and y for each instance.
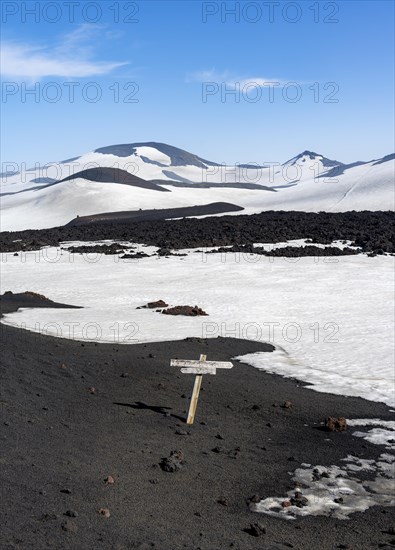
(260, 84)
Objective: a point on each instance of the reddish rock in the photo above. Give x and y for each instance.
(184, 310)
(104, 512)
(287, 405)
(336, 424)
(69, 526)
(109, 480)
(286, 504)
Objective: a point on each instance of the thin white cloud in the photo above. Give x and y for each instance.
(226, 77)
(72, 56)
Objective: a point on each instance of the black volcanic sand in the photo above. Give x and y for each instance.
(155, 214)
(74, 413)
(371, 231)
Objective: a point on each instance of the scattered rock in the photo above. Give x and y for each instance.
(256, 530)
(333, 424)
(135, 256)
(66, 491)
(92, 390)
(109, 480)
(104, 512)
(255, 407)
(299, 500)
(172, 463)
(287, 405)
(286, 503)
(338, 500)
(167, 252)
(153, 305)
(188, 311)
(48, 517)
(223, 501)
(217, 450)
(107, 249)
(71, 514)
(36, 295)
(154, 481)
(69, 526)
(218, 436)
(254, 499)
(181, 432)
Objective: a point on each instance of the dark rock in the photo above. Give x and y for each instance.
(256, 530)
(299, 500)
(254, 499)
(367, 230)
(48, 517)
(136, 256)
(153, 305)
(173, 463)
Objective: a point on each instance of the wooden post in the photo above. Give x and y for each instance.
(195, 394)
(198, 368)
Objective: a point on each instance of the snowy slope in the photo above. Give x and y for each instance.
(38, 198)
(332, 328)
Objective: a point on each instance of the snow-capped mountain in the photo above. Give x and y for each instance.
(158, 176)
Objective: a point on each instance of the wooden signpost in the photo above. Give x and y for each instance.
(199, 368)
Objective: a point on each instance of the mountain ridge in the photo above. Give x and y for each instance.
(84, 186)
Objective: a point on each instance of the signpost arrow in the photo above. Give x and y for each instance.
(199, 368)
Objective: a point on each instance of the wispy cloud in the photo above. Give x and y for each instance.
(72, 56)
(226, 77)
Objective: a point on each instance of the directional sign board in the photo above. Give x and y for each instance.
(198, 368)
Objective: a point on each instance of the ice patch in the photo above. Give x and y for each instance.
(334, 491)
